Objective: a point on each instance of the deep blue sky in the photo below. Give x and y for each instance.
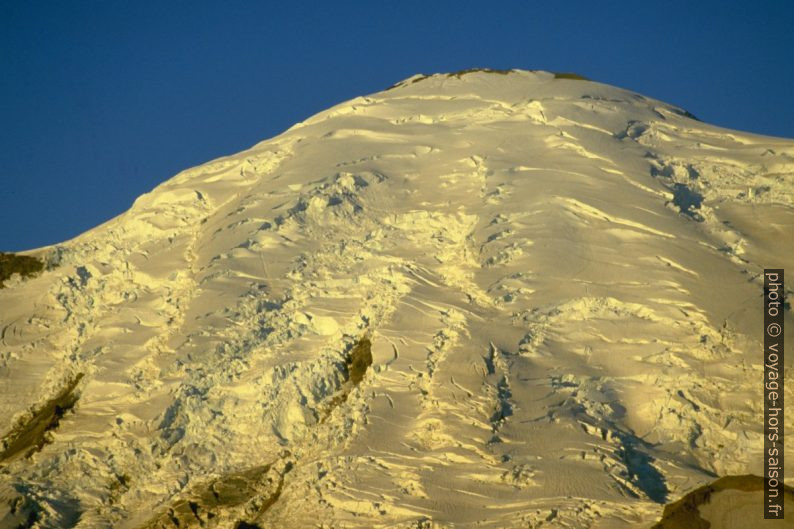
(101, 101)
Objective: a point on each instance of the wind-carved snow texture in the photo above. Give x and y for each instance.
(492, 299)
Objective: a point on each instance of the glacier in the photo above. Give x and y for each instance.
(492, 299)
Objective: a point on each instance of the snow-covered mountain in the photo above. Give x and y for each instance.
(491, 299)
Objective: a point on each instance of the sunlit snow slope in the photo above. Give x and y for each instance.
(558, 282)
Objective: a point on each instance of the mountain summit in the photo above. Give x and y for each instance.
(491, 299)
